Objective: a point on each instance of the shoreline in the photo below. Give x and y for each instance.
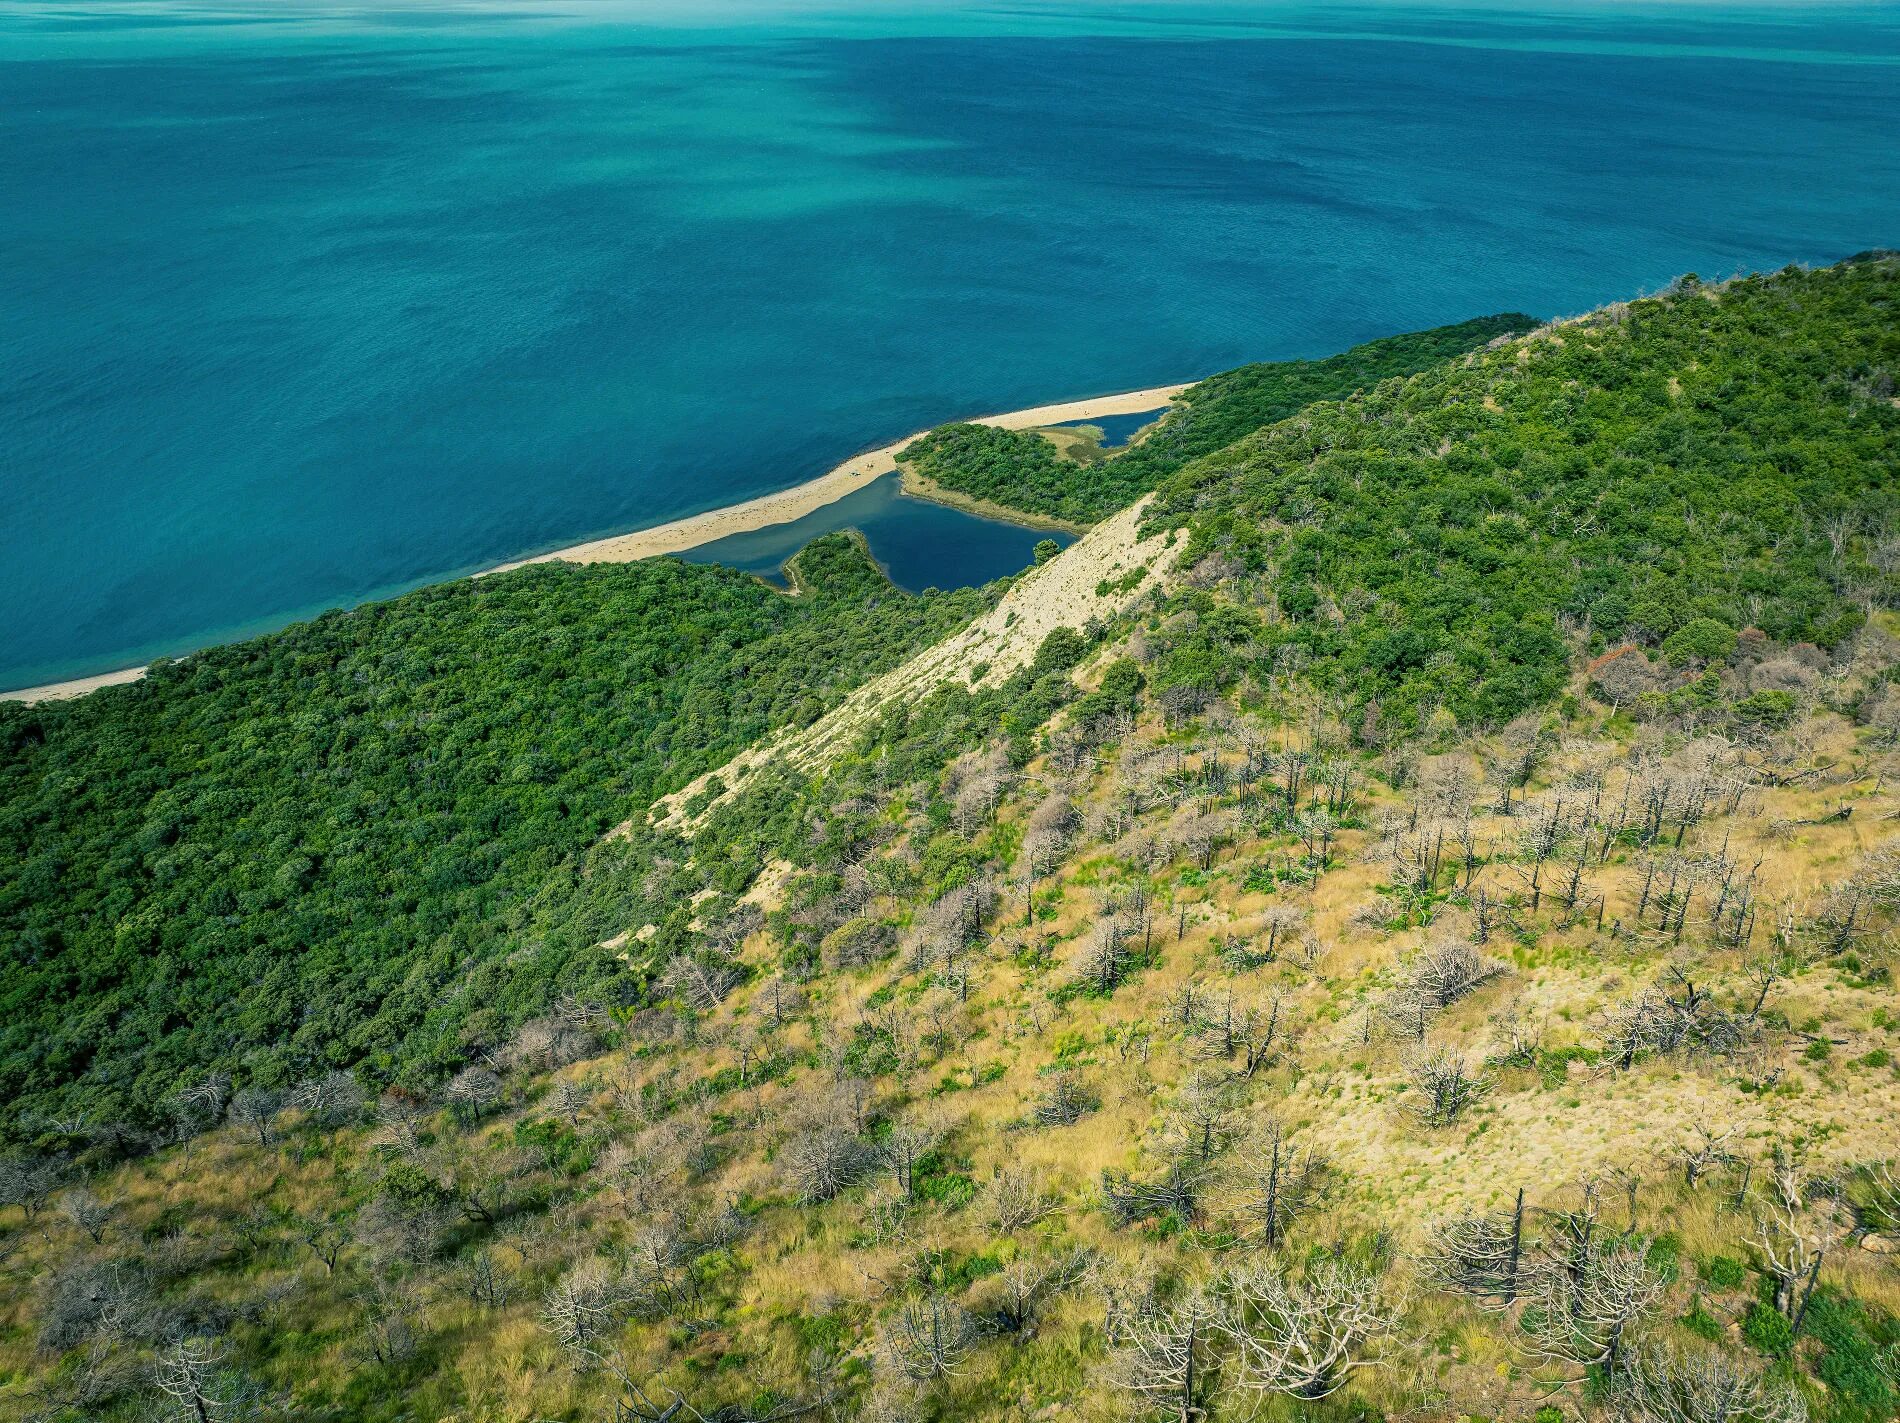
(785, 505)
(764, 511)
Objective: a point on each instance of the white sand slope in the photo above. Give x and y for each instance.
(1061, 593)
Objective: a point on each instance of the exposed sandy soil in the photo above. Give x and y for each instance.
(78, 687)
(1061, 593)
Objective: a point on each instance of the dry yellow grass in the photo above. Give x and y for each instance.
(1341, 1091)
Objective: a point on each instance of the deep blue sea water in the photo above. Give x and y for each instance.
(306, 303)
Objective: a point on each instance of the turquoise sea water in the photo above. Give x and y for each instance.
(307, 303)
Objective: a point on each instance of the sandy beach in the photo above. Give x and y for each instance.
(78, 687)
(760, 513)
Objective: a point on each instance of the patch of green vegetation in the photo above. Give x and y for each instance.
(1700, 1322)
(560, 1147)
(327, 847)
(1022, 470)
(1647, 473)
(1553, 1064)
(1767, 1328)
(1857, 1342)
(938, 1183)
(1664, 1256)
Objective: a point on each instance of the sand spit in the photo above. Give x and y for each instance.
(761, 513)
(802, 499)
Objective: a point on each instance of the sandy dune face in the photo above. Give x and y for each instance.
(1065, 592)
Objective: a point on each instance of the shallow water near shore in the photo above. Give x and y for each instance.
(310, 304)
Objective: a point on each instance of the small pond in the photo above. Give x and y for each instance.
(1117, 430)
(920, 544)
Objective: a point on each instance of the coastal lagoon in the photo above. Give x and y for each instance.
(919, 543)
(1116, 430)
(308, 304)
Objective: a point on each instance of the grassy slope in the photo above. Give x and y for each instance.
(661, 1131)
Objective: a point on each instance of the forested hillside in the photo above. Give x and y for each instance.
(1429, 955)
(1666, 472)
(1019, 469)
(319, 848)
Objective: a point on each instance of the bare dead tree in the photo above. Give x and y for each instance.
(1523, 1035)
(1284, 1179)
(1066, 1102)
(584, 1313)
(388, 1312)
(484, 1282)
(1706, 1148)
(187, 1372)
(197, 1108)
(1590, 1296)
(471, 1092)
(1663, 1386)
(1280, 923)
(1480, 1254)
(1177, 1191)
(87, 1213)
(401, 1119)
(1793, 1236)
(1448, 970)
(1304, 1337)
(333, 1100)
(1029, 1282)
(1202, 1120)
(1018, 1199)
(823, 1162)
(929, 1337)
(1042, 853)
(1444, 1087)
(697, 983)
(1255, 1031)
(1106, 956)
(256, 1108)
(907, 1145)
(1167, 1360)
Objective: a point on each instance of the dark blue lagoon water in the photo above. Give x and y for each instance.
(307, 303)
(919, 543)
(1117, 430)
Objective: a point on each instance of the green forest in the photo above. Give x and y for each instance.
(1019, 469)
(317, 848)
(1723, 458)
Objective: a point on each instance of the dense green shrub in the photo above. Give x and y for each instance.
(336, 846)
(1856, 1341)
(1700, 640)
(1022, 470)
(1667, 469)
